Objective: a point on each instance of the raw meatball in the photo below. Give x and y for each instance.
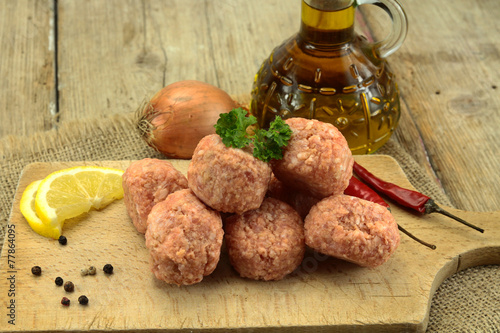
(184, 238)
(352, 229)
(266, 243)
(227, 179)
(147, 182)
(301, 201)
(317, 158)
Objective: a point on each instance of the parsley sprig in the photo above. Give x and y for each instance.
(267, 144)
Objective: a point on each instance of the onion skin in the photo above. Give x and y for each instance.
(180, 115)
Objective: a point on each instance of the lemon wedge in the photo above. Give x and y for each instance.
(71, 192)
(27, 206)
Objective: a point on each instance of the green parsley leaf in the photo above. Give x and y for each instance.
(260, 149)
(267, 144)
(280, 132)
(231, 127)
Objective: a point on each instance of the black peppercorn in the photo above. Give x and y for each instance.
(108, 269)
(59, 281)
(63, 240)
(65, 301)
(36, 270)
(83, 300)
(69, 286)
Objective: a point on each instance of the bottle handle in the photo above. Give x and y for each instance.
(399, 30)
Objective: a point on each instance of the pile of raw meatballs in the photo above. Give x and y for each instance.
(267, 213)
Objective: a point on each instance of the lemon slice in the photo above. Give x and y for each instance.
(27, 206)
(71, 192)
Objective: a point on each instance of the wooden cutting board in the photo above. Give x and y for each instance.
(324, 294)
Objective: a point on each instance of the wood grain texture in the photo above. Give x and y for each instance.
(27, 84)
(322, 295)
(113, 54)
(448, 70)
(110, 63)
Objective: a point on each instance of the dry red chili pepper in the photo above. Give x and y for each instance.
(357, 188)
(405, 197)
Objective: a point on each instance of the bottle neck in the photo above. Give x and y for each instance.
(332, 27)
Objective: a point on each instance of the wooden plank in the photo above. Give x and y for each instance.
(110, 62)
(27, 90)
(244, 33)
(448, 70)
(114, 53)
(110, 58)
(375, 24)
(323, 294)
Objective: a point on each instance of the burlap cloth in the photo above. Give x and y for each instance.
(469, 301)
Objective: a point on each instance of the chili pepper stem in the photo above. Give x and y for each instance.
(432, 207)
(409, 234)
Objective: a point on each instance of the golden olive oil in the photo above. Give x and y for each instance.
(320, 26)
(329, 73)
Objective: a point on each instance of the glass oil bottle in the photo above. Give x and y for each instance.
(328, 72)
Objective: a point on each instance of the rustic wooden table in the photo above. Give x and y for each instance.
(64, 60)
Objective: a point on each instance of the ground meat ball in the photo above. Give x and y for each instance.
(227, 179)
(147, 182)
(184, 238)
(317, 158)
(301, 201)
(352, 229)
(266, 243)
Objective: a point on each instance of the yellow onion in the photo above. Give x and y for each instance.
(180, 115)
